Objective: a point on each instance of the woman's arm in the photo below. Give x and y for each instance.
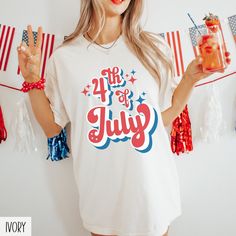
(179, 100)
(182, 92)
(43, 112)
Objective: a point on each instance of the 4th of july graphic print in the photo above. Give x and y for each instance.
(110, 84)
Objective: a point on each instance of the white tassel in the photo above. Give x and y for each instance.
(213, 124)
(22, 129)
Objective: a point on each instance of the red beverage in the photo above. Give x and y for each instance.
(211, 46)
(211, 52)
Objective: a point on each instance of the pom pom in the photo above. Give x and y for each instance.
(57, 146)
(3, 131)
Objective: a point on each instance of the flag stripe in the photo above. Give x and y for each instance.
(18, 70)
(2, 35)
(180, 53)
(175, 51)
(42, 42)
(52, 45)
(9, 49)
(45, 56)
(4, 48)
(168, 38)
(223, 38)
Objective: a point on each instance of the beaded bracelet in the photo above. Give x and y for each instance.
(26, 86)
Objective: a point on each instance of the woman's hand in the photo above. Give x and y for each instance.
(29, 57)
(194, 71)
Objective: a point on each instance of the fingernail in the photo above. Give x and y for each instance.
(22, 48)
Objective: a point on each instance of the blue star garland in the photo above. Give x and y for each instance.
(57, 146)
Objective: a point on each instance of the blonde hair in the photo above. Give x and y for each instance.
(142, 43)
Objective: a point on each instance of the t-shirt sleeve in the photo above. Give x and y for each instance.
(52, 92)
(168, 83)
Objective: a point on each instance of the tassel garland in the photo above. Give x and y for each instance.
(22, 128)
(3, 131)
(57, 146)
(181, 133)
(213, 124)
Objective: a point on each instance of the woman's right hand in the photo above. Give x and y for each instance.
(29, 57)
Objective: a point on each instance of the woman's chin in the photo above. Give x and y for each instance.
(117, 7)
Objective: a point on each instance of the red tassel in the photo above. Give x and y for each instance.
(181, 133)
(3, 131)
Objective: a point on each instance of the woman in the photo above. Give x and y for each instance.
(114, 82)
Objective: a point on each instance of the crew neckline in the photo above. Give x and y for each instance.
(87, 42)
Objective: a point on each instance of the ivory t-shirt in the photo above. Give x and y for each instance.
(122, 161)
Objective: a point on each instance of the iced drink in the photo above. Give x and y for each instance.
(211, 52)
(211, 45)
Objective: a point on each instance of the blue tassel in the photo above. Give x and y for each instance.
(57, 146)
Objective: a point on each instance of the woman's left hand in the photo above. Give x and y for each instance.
(194, 71)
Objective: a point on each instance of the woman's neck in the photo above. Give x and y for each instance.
(110, 31)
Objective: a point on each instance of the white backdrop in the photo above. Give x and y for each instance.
(32, 186)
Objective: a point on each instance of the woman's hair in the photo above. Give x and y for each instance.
(142, 43)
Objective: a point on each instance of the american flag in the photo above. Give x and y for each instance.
(6, 37)
(193, 33)
(46, 49)
(232, 24)
(174, 40)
